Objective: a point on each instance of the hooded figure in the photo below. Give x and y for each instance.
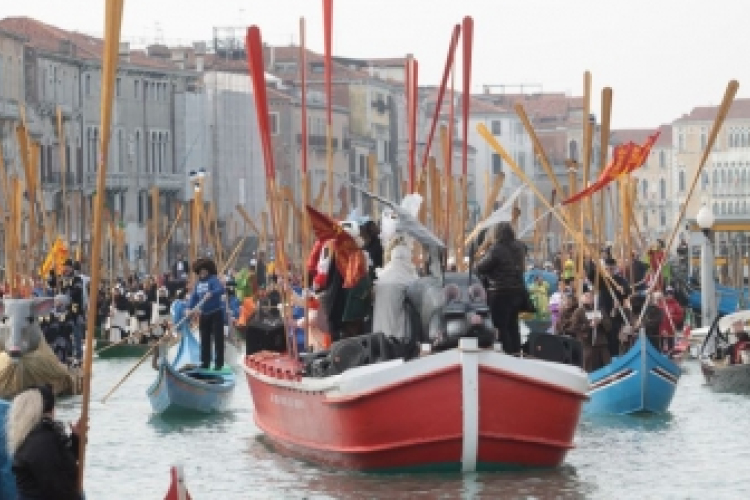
(501, 269)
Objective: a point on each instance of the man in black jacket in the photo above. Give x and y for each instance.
(72, 286)
(501, 270)
(608, 301)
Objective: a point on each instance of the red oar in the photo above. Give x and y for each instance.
(441, 92)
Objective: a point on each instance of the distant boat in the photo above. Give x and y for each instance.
(642, 380)
(720, 375)
(181, 385)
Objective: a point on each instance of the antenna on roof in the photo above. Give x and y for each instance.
(159, 33)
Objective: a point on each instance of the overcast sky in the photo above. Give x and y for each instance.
(661, 57)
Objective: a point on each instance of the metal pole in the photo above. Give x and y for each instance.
(708, 286)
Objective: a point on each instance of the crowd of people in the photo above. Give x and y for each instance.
(603, 305)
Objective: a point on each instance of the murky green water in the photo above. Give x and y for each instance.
(700, 450)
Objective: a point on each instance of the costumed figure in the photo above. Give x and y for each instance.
(340, 277)
(590, 326)
(178, 310)
(25, 357)
(141, 314)
(160, 314)
(539, 291)
(655, 259)
(232, 311)
(58, 329)
(119, 314)
(72, 286)
(210, 312)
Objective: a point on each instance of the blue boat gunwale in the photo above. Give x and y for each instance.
(642, 360)
(182, 358)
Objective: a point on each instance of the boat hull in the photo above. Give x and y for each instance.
(456, 410)
(729, 378)
(640, 381)
(175, 391)
(120, 351)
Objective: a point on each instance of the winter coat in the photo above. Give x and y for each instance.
(46, 464)
(501, 268)
(581, 328)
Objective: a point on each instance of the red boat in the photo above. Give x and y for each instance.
(177, 489)
(465, 409)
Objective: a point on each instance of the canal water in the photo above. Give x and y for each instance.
(700, 450)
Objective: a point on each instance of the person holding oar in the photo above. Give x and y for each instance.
(210, 313)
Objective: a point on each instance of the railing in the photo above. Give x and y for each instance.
(55, 179)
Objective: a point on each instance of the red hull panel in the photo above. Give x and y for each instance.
(419, 423)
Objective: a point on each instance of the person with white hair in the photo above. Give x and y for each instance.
(45, 457)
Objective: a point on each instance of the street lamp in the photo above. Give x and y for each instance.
(705, 221)
(196, 178)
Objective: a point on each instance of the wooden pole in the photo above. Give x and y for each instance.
(4, 206)
(113, 24)
(63, 173)
(155, 221)
(372, 167)
(306, 237)
(163, 244)
(327, 69)
(243, 213)
(603, 154)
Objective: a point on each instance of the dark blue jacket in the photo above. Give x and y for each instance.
(210, 285)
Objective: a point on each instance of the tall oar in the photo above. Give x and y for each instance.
(256, 66)
(112, 26)
(441, 91)
(467, 41)
(327, 67)
(305, 180)
(721, 115)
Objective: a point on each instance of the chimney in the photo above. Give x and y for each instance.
(124, 51)
(200, 54)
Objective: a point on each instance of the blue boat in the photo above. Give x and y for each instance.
(7, 481)
(182, 385)
(640, 381)
(727, 299)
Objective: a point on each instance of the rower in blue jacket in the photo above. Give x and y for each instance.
(210, 312)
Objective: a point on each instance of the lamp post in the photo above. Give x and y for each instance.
(705, 221)
(196, 178)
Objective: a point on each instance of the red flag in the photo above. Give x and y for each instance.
(615, 168)
(638, 160)
(625, 159)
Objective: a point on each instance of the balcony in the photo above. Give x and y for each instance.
(122, 181)
(9, 109)
(319, 141)
(54, 180)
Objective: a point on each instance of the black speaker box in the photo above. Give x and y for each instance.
(555, 348)
(358, 351)
(265, 335)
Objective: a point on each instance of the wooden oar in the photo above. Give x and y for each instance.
(113, 25)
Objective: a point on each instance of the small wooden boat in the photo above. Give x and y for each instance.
(122, 350)
(720, 374)
(182, 385)
(642, 380)
(177, 489)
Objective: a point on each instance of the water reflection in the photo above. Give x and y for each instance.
(320, 482)
(177, 422)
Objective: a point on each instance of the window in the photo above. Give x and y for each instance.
(663, 189)
(497, 127)
(522, 160)
(681, 181)
(141, 208)
(681, 143)
(704, 181)
(704, 141)
(645, 218)
(716, 209)
(121, 153)
(136, 88)
(274, 122)
(662, 218)
(662, 159)
(497, 164)
(137, 160)
(87, 84)
(118, 87)
(644, 188)
(573, 146)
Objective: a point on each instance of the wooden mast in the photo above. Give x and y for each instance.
(113, 24)
(327, 68)
(468, 40)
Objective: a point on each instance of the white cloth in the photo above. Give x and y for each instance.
(389, 315)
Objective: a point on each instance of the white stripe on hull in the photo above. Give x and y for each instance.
(470, 398)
